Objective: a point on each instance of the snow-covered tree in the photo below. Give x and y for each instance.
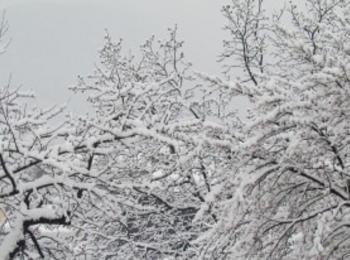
(164, 147)
(293, 185)
(3, 29)
(164, 168)
(135, 180)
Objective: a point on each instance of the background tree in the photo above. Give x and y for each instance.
(135, 180)
(169, 147)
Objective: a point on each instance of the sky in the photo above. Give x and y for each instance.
(54, 41)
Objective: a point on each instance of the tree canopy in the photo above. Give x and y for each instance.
(166, 167)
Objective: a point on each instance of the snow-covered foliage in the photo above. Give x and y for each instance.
(137, 180)
(165, 169)
(162, 148)
(296, 196)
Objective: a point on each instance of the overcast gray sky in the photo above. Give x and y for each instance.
(53, 41)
